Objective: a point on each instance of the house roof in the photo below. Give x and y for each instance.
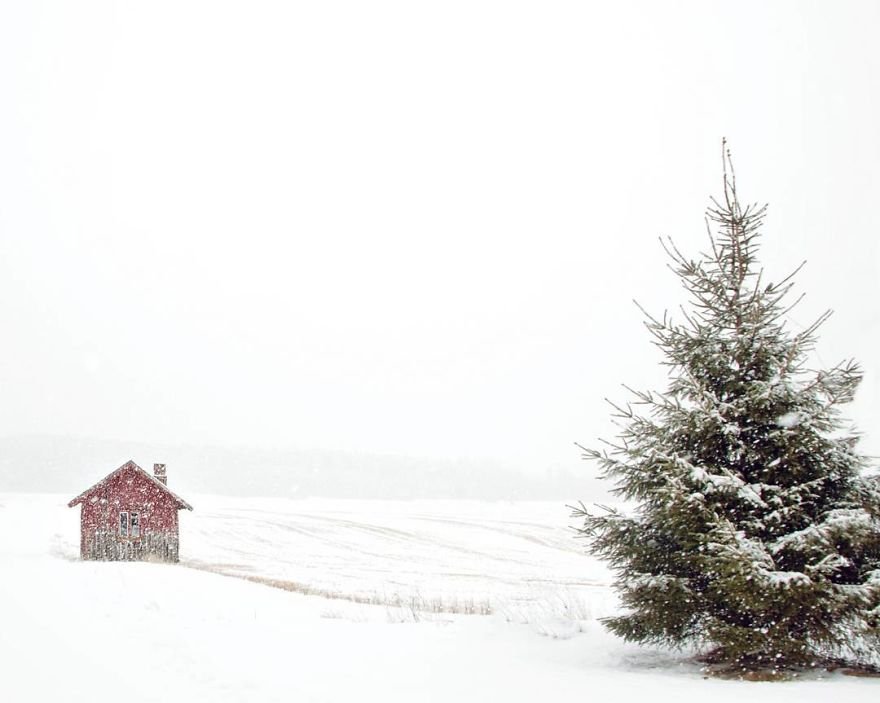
(129, 465)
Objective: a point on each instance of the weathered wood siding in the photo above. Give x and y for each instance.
(103, 546)
(129, 491)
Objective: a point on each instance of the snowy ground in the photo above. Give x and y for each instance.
(97, 632)
(446, 555)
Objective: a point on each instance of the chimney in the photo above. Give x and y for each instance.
(159, 473)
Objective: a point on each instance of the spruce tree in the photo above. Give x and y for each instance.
(752, 530)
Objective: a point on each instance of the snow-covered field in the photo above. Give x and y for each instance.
(76, 631)
(446, 555)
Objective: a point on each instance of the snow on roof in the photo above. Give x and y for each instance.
(130, 464)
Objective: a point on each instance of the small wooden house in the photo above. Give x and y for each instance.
(130, 515)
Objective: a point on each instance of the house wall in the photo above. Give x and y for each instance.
(131, 491)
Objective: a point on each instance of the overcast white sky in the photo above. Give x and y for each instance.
(407, 227)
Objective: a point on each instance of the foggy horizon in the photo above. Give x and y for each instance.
(65, 466)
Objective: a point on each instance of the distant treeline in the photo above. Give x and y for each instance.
(47, 464)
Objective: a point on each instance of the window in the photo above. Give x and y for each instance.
(129, 524)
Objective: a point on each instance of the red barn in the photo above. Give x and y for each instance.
(130, 515)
